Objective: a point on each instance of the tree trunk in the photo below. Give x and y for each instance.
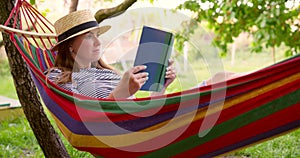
(73, 6)
(47, 138)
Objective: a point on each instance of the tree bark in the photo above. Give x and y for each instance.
(47, 138)
(115, 11)
(73, 6)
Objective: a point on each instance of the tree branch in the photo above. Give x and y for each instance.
(73, 6)
(115, 11)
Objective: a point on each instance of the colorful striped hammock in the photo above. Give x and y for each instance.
(201, 122)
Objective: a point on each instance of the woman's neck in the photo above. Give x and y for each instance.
(84, 66)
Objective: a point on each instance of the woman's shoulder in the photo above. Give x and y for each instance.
(95, 73)
(52, 73)
(97, 70)
(53, 70)
(107, 74)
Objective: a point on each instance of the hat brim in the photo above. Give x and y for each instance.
(101, 30)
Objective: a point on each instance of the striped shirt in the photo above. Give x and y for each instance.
(92, 82)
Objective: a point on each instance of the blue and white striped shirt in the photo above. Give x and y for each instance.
(92, 82)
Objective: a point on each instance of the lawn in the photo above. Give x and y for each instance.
(17, 139)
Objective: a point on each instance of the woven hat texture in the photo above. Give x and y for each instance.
(76, 23)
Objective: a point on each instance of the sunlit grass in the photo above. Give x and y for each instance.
(284, 146)
(17, 140)
(7, 87)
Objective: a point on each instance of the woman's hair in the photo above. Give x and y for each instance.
(66, 63)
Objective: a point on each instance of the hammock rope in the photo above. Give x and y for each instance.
(250, 109)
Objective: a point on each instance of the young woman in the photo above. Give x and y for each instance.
(79, 67)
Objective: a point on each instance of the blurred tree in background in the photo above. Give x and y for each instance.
(270, 22)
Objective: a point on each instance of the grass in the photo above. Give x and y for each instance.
(7, 87)
(284, 146)
(18, 140)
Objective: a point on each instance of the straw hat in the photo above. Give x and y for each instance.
(74, 24)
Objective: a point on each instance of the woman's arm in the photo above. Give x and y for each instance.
(130, 83)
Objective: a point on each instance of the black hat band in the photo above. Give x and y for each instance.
(76, 29)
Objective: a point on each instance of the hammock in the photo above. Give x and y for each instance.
(201, 122)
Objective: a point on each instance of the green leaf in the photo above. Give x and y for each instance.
(32, 2)
(288, 53)
(263, 23)
(44, 12)
(271, 18)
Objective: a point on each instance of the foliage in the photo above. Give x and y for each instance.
(32, 2)
(270, 22)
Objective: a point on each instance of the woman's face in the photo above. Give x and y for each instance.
(86, 48)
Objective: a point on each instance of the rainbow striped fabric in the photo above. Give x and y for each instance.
(206, 121)
(201, 122)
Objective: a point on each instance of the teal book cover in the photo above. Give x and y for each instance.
(154, 50)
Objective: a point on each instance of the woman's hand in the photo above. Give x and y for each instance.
(170, 77)
(130, 83)
(170, 74)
